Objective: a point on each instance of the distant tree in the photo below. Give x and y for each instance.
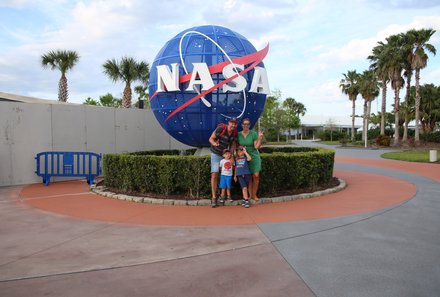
(62, 60)
(369, 89)
(396, 63)
(331, 124)
(91, 101)
(293, 111)
(141, 90)
(350, 86)
(429, 107)
(110, 101)
(127, 70)
(419, 60)
(268, 117)
(105, 100)
(380, 65)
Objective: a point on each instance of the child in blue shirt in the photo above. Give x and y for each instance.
(226, 170)
(242, 173)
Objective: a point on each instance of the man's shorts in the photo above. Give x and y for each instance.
(244, 180)
(225, 182)
(215, 162)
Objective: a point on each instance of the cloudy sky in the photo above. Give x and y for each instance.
(311, 42)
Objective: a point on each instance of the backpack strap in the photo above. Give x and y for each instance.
(224, 128)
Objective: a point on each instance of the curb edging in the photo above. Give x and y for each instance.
(103, 191)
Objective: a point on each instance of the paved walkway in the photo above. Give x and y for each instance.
(378, 237)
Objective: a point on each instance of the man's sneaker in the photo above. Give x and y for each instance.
(246, 204)
(243, 202)
(214, 203)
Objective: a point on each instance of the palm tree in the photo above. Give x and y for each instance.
(127, 70)
(395, 62)
(62, 60)
(429, 106)
(349, 85)
(406, 50)
(379, 63)
(141, 90)
(369, 90)
(419, 60)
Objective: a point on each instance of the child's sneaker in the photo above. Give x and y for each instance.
(229, 199)
(243, 202)
(221, 200)
(246, 204)
(214, 203)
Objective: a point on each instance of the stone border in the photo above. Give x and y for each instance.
(102, 191)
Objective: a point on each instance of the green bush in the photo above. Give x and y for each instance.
(431, 137)
(284, 169)
(383, 140)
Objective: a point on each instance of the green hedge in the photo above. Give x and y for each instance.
(284, 169)
(431, 137)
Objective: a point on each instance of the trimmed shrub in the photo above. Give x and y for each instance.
(383, 140)
(284, 169)
(431, 137)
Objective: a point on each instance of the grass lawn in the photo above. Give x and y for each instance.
(410, 155)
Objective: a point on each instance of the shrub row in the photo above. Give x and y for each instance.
(431, 137)
(284, 169)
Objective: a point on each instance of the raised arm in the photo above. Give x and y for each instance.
(259, 141)
(248, 157)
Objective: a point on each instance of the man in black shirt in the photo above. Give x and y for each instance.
(223, 137)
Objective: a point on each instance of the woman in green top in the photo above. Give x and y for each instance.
(252, 141)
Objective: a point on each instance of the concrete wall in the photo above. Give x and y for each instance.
(30, 128)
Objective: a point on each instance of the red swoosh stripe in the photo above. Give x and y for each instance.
(217, 68)
(258, 58)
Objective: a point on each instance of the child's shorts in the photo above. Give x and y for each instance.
(244, 180)
(225, 182)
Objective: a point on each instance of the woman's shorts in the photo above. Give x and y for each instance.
(244, 180)
(225, 182)
(215, 162)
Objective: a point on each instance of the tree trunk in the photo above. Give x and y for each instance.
(62, 89)
(405, 127)
(368, 114)
(353, 113)
(364, 130)
(126, 100)
(417, 134)
(396, 115)
(383, 109)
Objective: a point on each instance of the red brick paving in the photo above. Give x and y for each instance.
(364, 193)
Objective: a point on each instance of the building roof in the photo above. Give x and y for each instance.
(25, 99)
(328, 120)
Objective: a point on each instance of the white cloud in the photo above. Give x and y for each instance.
(328, 92)
(360, 49)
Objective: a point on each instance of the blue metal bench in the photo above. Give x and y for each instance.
(68, 164)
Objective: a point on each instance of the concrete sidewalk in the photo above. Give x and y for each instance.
(65, 244)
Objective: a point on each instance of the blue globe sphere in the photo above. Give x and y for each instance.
(193, 124)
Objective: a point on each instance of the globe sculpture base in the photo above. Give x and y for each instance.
(203, 151)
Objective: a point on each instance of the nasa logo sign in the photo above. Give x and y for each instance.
(205, 76)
